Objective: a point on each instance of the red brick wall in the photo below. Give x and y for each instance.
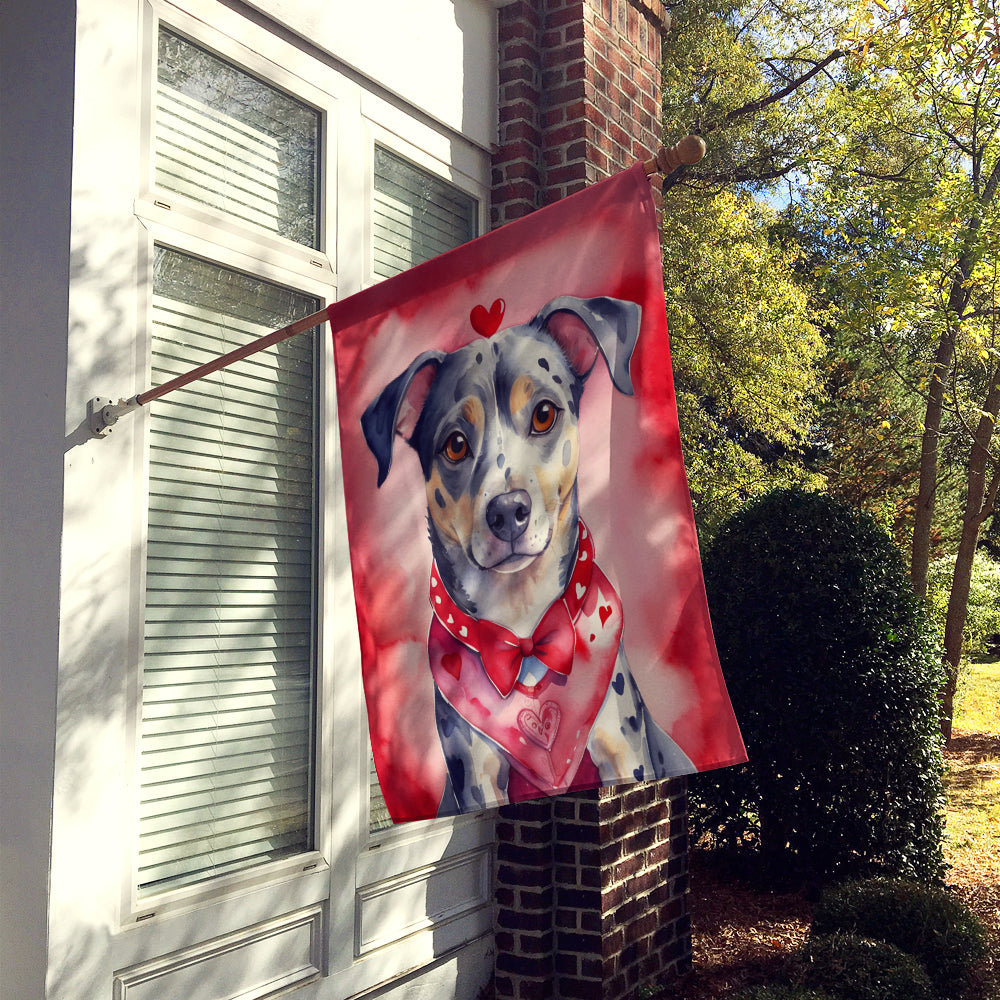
(591, 893)
(579, 96)
(524, 902)
(591, 889)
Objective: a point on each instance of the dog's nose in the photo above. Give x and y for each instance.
(507, 515)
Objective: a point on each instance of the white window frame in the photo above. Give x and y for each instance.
(394, 132)
(387, 127)
(351, 875)
(180, 224)
(195, 244)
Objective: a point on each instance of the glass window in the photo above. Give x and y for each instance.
(228, 685)
(228, 140)
(416, 216)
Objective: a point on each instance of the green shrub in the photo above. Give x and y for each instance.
(925, 922)
(982, 620)
(856, 968)
(833, 673)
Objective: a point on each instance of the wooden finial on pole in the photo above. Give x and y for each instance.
(668, 158)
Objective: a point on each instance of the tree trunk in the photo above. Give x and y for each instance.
(920, 554)
(958, 299)
(980, 499)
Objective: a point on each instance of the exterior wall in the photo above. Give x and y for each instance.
(78, 226)
(36, 108)
(590, 892)
(591, 889)
(429, 55)
(579, 96)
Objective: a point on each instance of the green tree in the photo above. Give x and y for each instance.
(912, 192)
(869, 427)
(748, 358)
(982, 620)
(867, 432)
(878, 121)
(747, 76)
(746, 355)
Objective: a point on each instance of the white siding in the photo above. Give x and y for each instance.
(78, 231)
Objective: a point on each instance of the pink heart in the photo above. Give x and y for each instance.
(487, 322)
(541, 730)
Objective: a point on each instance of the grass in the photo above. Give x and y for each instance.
(973, 782)
(972, 848)
(978, 698)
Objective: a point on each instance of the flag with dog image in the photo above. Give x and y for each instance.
(530, 606)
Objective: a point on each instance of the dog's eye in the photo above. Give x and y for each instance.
(456, 448)
(544, 416)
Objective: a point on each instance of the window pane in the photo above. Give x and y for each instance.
(416, 216)
(228, 140)
(228, 658)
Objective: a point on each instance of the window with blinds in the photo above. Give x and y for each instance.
(226, 744)
(228, 678)
(232, 142)
(415, 216)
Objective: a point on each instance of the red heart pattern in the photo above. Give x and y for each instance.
(485, 321)
(452, 662)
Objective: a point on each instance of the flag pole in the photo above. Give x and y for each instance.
(103, 414)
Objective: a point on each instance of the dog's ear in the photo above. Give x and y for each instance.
(585, 327)
(397, 407)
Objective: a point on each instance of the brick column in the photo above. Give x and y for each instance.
(591, 893)
(524, 901)
(591, 889)
(517, 160)
(579, 96)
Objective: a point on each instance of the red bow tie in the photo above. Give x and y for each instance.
(553, 643)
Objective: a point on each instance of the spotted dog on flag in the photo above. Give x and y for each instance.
(533, 689)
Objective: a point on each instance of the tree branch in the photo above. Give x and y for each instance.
(754, 106)
(899, 176)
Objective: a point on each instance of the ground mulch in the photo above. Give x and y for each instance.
(742, 934)
(975, 876)
(982, 895)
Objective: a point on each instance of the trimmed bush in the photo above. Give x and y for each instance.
(925, 922)
(833, 672)
(856, 968)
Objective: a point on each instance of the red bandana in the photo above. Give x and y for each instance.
(544, 728)
(552, 642)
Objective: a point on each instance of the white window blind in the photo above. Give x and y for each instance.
(228, 661)
(230, 141)
(416, 216)
(228, 677)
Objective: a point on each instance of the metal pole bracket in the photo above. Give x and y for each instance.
(103, 413)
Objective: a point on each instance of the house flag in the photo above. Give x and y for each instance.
(530, 603)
